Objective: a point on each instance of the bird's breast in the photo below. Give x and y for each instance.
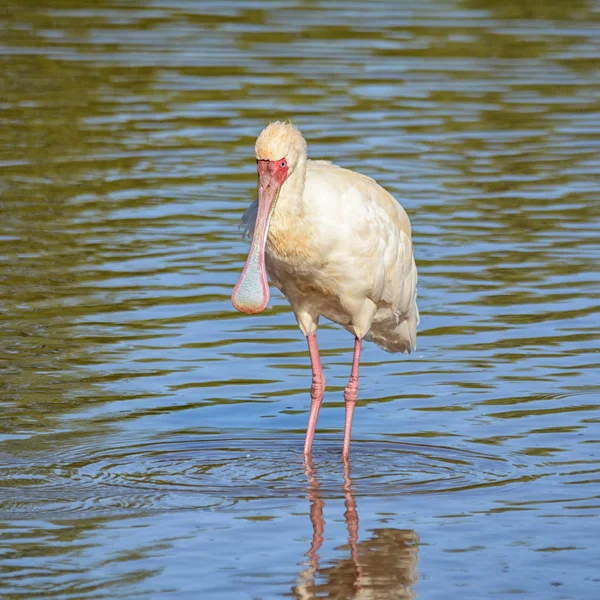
(290, 244)
(295, 261)
(299, 258)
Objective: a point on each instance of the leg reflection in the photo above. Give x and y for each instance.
(383, 566)
(316, 513)
(351, 516)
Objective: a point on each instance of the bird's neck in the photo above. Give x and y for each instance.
(290, 203)
(289, 230)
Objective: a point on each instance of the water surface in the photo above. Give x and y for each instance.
(151, 437)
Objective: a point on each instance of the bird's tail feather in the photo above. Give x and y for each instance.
(393, 333)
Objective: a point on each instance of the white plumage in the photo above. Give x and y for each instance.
(357, 260)
(337, 245)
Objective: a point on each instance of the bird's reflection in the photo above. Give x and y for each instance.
(383, 566)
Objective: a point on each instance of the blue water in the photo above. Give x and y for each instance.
(151, 436)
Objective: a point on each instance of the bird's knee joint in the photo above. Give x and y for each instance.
(351, 393)
(317, 389)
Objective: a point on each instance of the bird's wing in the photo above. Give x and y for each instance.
(372, 233)
(399, 284)
(344, 180)
(249, 220)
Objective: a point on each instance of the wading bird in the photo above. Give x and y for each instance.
(337, 245)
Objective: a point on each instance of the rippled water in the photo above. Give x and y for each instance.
(151, 437)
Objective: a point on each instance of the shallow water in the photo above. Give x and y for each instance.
(150, 436)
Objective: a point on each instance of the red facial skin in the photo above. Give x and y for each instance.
(251, 293)
(271, 172)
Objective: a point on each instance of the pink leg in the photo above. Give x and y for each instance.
(350, 396)
(317, 389)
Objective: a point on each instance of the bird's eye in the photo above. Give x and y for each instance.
(282, 164)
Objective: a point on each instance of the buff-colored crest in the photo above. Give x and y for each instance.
(279, 140)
